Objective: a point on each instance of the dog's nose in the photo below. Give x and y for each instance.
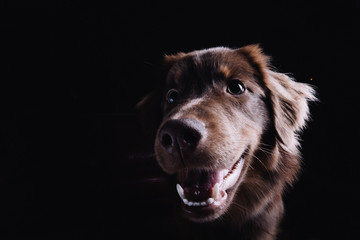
(181, 136)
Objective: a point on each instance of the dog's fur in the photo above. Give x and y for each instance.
(261, 125)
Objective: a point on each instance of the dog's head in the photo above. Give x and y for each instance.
(226, 119)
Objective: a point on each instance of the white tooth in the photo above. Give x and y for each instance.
(197, 204)
(180, 191)
(225, 172)
(210, 201)
(215, 191)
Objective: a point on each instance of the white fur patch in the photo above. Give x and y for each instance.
(187, 106)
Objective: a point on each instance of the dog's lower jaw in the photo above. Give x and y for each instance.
(236, 223)
(222, 193)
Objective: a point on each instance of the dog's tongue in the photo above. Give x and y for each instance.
(198, 184)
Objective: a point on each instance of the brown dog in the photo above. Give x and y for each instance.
(229, 133)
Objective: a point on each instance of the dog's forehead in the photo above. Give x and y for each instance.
(210, 65)
(202, 68)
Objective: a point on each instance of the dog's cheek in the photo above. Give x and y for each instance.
(227, 139)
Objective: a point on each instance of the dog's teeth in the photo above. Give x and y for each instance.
(210, 201)
(198, 204)
(215, 191)
(180, 191)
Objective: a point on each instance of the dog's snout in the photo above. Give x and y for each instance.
(181, 136)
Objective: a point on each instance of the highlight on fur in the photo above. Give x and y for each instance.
(228, 132)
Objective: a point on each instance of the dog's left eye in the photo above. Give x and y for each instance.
(171, 95)
(235, 87)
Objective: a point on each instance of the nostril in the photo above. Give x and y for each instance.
(181, 136)
(191, 138)
(166, 140)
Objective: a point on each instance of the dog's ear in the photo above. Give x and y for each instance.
(169, 60)
(150, 107)
(256, 58)
(289, 99)
(149, 112)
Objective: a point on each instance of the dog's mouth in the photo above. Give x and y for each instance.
(205, 193)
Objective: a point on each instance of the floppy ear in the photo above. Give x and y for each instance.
(150, 107)
(169, 60)
(149, 112)
(289, 99)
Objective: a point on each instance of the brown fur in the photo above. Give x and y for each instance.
(261, 124)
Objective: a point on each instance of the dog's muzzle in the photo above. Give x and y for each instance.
(180, 137)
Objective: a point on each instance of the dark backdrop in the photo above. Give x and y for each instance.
(73, 161)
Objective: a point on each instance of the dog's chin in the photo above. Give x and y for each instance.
(206, 194)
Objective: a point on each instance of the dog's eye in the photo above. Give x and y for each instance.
(235, 87)
(171, 95)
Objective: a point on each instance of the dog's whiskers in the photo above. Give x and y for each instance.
(261, 162)
(265, 150)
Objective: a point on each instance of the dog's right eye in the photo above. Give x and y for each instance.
(171, 95)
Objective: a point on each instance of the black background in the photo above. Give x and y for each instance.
(73, 162)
